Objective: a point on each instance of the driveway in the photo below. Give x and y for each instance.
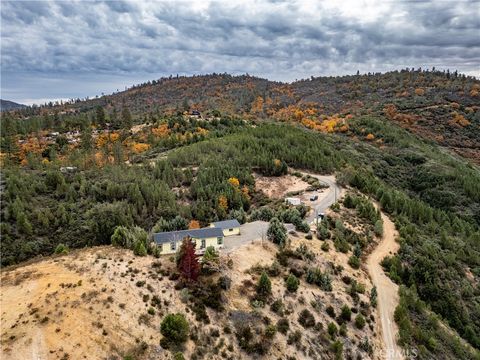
(325, 198)
(252, 231)
(257, 230)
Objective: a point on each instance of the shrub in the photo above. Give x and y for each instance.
(359, 321)
(270, 331)
(175, 328)
(277, 306)
(224, 282)
(337, 349)
(139, 249)
(306, 319)
(346, 313)
(283, 325)
(264, 286)
(354, 262)
(292, 283)
(61, 249)
(331, 311)
(178, 356)
(378, 228)
(302, 226)
(332, 330)
(325, 246)
(294, 338)
(322, 231)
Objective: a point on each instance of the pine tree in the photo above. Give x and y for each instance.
(126, 117)
(100, 116)
(188, 263)
(264, 286)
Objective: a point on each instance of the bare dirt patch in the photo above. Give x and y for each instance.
(279, 186)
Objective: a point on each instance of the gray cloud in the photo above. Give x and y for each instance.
(74, 43)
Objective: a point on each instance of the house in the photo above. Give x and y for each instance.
(169, 242)
(293, 201)
(229, 227)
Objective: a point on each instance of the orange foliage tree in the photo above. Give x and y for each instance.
(194, 224)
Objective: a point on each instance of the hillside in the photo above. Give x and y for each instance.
(6, 105)
(105, 302)
(83, 173)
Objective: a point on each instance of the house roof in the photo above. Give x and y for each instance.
(166, 237)
(227, 224)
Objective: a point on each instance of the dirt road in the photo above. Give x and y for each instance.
(387, 290)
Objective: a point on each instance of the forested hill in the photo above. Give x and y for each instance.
(439, 106)
(145, 159)
(6, 105)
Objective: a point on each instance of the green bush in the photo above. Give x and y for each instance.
(61, 249)
(332, 330)
(354, 262)
(360, 321)
(175, 328)
(306, 319)
(292, 283)
(346, 313)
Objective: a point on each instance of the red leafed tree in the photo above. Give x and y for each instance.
(188, 264)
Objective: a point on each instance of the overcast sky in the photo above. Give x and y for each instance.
(67, 49)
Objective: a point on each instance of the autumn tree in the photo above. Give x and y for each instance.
(188, 262)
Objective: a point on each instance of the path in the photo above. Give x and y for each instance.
(387, 290)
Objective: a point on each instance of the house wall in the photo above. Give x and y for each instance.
(213, 241)
(229, 232)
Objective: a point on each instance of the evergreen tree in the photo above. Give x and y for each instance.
(126, 118)
(264, 286)
(277, 233)
(100, 116)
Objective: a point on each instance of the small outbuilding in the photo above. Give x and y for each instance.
(229, 227)
(293, 201)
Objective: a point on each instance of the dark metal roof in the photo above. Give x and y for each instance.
(227, 224)
(166, 237)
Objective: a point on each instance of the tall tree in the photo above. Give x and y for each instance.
(126, 117)
(100, 116)
(188, 264)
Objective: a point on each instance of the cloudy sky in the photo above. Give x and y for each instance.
(70, 49)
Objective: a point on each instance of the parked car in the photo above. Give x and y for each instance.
(313, 197)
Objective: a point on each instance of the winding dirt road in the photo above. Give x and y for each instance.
(387, 290)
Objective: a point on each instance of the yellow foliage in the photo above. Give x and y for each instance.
(161, 131)
(105, 138)
(234, 182)
(45, 161)
(223, 202)
(202, 131)
(138, 148)
(277, 162)
(370, 137)
(459, 119)
(474, 93)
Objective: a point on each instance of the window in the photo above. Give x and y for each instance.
(202, 246)
(173, 245)
(230, 230)
(219, 240)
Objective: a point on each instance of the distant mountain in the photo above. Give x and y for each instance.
(6, 105)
